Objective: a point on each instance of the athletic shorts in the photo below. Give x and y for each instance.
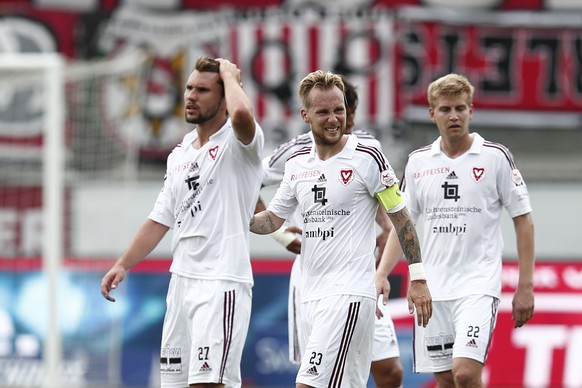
(460, 328)
(385, 340)
(293, 311)
(204, 332)
(338, 333)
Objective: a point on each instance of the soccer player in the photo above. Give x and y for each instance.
(210, 189)
(386, 368)
(456, 188)
(336, 184)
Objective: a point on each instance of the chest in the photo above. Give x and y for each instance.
(192, 166)
(338, 185)
(454, 183)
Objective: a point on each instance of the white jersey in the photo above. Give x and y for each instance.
(274, 165)
(338, 208)
(459, 203)
(208, 199)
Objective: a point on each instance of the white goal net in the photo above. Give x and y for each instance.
(65, 129)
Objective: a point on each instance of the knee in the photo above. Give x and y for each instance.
(388, 377)
(394, 378)
(466, 377)
(444, 379)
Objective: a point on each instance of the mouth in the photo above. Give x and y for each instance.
(332, 130)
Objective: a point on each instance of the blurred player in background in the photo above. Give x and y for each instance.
(211, 187)
(456, 188)
(386, 367)
(336, 183)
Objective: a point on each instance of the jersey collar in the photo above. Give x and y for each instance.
(476, 146)
(346, 153)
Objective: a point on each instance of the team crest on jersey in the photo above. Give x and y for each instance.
(478, 174)
(213, 152)
(346, 176)
(387, 178)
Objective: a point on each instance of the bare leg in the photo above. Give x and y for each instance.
(387, 373)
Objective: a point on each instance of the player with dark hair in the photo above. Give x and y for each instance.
(211, 186)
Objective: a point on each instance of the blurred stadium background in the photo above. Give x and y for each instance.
(91, 104)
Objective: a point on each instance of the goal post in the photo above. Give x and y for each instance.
(67, 128)
(49, 72)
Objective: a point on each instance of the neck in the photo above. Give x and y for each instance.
(327, 151)
(207, 129)
(454, 148)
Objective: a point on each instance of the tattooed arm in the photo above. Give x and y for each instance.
(265, 222)
(404, 239)
(406, 235)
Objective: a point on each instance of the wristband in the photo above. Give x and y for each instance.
(416, 271)
(283, 237)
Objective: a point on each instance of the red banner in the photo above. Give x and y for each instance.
(517, 62)
(545, 351)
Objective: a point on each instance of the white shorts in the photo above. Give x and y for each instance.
(293, 311)
(458, 328)
(337, 333)
(204, 332)
(385, 340)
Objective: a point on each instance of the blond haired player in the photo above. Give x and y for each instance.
(386, 368)
(456, 188)
(336, 184)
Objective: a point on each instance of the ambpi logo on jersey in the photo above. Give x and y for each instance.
(346, 176)
(478, 173)
(387, 178)
(213, 152)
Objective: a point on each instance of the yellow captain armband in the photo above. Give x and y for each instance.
(390, 198)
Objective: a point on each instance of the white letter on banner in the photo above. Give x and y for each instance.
(539, 342)
(572, 370)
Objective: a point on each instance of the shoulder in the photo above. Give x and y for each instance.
(301, 152)
(500, 151)
(367, 138)
(420, 152)
(361, 134)
(285, 150)
(373, 154)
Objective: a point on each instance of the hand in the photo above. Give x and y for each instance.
(419, 297)
(295, 245)
(229, 68)
(111, 280)
(382, 288)
(522, 306)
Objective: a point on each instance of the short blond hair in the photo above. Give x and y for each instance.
(450, 85)
(320, 79)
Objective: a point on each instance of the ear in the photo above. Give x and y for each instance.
(304, 115)
(431, 113)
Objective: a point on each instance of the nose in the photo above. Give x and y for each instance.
(189, 94)
(333, 118)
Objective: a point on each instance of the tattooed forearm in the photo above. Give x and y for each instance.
(262, 223)
(409, 243)
(407, 235)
